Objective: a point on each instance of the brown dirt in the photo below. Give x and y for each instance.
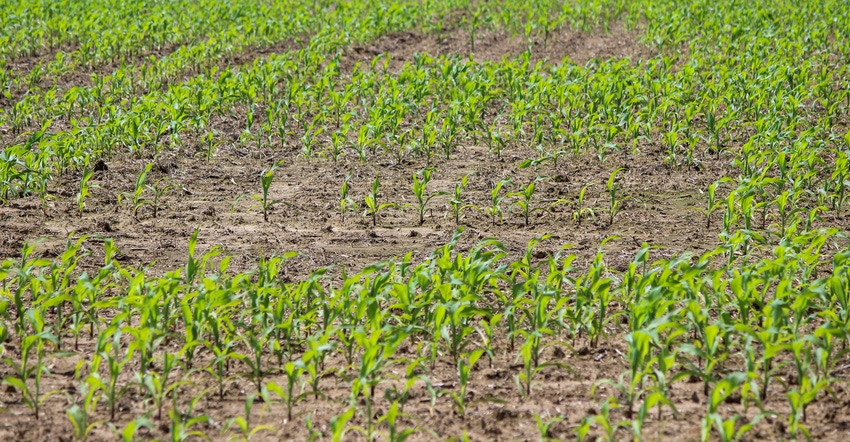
(579, 47)
(661, 211)
(662, 208)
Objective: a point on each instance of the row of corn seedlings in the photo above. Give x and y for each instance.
(770, 329)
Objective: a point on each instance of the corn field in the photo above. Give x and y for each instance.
(401, 220)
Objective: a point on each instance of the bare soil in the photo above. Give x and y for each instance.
(578, 47)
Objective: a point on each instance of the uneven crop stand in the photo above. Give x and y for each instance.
(424, 220)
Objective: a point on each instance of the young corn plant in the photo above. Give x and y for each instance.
(713, 202)
(85, 189)
(604, 420)
(494, 210)
(615, 201)
(726, 428)
(799, 399)
(456, 203)
(79, 417)
(581, 211)
(293, 372)
(318, 347)
(371, 202)
(211, 142)
(158, 191)
(378, 347)
(312, 433)
(246, 431)
(256, 339)
(346, 203)
(545, 427)
(394, 433)
(264, 202)
(338, 425)
(709, 352)
(136, 197)
(524, 195)
(420, 181)
(473, 23)
(32, 345)
(109, 353)
(464, 369)
(128, 433)
(157, 386)
(531, 367)
(638, 358)
(485, 331)
(183, 421)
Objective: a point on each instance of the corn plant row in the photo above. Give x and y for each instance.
(87, 108)
(110, 31)
(791, 169)
(108, 98)
(104, 31)
(133, 79)
(263, 27)
(687, 316)
(200, 55)
(434, 106)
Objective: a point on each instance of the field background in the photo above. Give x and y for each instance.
(633, 217)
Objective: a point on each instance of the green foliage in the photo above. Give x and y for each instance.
(762, 317)
(494, 209)
(346, 204)
(265, 203)
(457, 204)
(420, 181)
(372, 204)
(615, 204)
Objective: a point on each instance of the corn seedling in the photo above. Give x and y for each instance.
(136, 197)
(420, 181)
(713, 203)
(346, 204)
(581, 211)
(80, 421)
(394, 433)
(456, 203)
(158, 191)
(615, 202)
(85, 189)
(265, 203)
(524, 195)
(494, 209)
(545, 427)
(243, 424)
(464, 368)
(293, 372)
(32, 345)
(371, 202)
